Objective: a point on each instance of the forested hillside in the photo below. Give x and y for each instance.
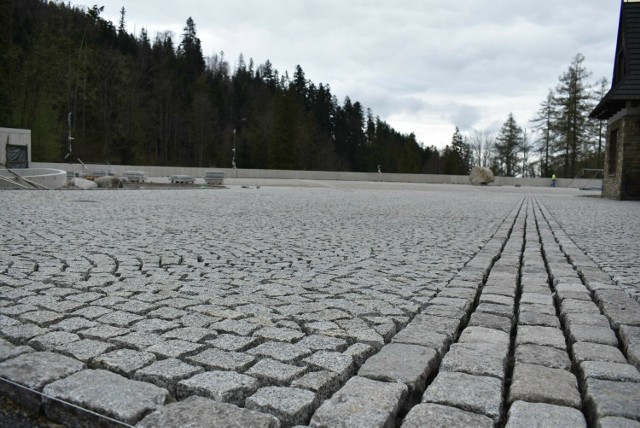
(128, 99)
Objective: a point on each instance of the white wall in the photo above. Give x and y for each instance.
(162, 171)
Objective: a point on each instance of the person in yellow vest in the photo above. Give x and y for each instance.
(553, 180)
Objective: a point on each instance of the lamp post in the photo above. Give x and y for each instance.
(233, 150)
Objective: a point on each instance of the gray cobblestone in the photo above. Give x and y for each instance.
(228, 387)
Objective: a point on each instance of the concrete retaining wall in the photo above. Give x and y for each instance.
(164, 171)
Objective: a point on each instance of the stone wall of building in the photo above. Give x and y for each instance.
(622, 176)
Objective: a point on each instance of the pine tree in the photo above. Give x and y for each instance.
(507, 143)
(573, 103)
(545, 122)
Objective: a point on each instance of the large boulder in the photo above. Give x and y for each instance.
(109, 182)
(480, 176)
(82, 183)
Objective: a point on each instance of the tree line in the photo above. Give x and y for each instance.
(127, 99)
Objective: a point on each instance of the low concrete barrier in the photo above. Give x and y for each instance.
(168, 171)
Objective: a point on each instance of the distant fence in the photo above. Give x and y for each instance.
(229, 173)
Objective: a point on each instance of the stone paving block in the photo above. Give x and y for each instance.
(231, 342)
(479, 319)
(543, 336)
(201, 412)
(359, 352)
(102, 332)
(444, 311)
(586, 319)
(324, 383)
(630, 338)
(216, 359)
(119, 318)
(42, 318)
(497, 299)
(279, 334)
(362, 402)
(609, 398)
(593, 334)
(501, 290)
(618, 372)
(73, 324)
(618, 307)
(617, 422)
(167, 373)
(396, 362)
(284, 352)
(104, 393)
(272, 372)
(9, 350)
(342, 364)
(137, 340)
(481, 359)
(485, 335)
(539, 384)
(496, 309)
(439, 416)
(477, 394)
(465, 293)
(438, 324)
(53, 340)
(418, 334)
(461, 304)
(92, 312)
(527, 317)
(174, 348)
(580, 306)
(21, 333)
(540, 309)
(34, 370)
(154, 325)
(224, 386)
(123, 361)
(85, 349)
(318, 342)
(239, 327)
(291, 406)
(587, 351)
(547, 356)
(525, 415)
(191, 334)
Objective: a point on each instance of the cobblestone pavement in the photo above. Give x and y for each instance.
(351, 305)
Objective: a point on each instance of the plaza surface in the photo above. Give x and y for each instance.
(321, 304)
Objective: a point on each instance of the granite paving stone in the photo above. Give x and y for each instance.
(523, 414)
(324, 383)
(362, 402)
(9, 350)
(547, 356)
(292, 406)
(482, 359)
(284, 352)
(593, 334)
(231, 342)
(217, 359)
(477, 394)
(272, 372)
(587, 351)
(439, 416)
(539, 384)
(200, 412)
(397, 362)
(224, 386)
(123, 361)
(174, 348)
(34, 370)
(53, 340)
(539, 335)
(104, 393)
(167, 373)
(611, 398)
(609, 371)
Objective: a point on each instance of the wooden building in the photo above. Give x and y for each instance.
(621, 108)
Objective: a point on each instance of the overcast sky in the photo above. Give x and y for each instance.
(423, 66)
